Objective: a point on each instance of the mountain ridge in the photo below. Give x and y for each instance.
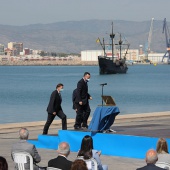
(75, 36)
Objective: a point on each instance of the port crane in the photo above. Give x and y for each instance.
(148, 44)
(167, 35)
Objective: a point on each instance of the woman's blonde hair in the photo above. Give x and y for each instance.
(162, 146)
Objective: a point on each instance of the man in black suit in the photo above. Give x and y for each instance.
(61, 161)
(74, 99)
(54, 108)
(81, 102)
(151, 159)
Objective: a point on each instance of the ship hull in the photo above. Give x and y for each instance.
(107, 66)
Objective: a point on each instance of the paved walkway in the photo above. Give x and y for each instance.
(153, 124)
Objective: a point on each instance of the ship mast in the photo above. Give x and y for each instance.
(112, 37)
(104, 47)
(120, 45)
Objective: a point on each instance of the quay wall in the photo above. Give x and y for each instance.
(119, 119)
(47, 63)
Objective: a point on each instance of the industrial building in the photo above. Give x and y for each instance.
(92, 55)
(132, 55)
(156, 57)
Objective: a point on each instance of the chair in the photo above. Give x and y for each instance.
(20, 158)
(91, 163)
(51, 168)
(163, 165)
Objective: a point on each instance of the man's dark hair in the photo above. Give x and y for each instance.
(86, 73)
(59, 85)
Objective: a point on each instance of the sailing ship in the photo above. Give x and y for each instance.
(113, 64)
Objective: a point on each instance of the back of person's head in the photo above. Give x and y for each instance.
(79, 165)
(151, 156)
(87, 143)
(3, 163)
(23, 133)
(86, 147)
(64, 148)
(87, 155)
(162, 146)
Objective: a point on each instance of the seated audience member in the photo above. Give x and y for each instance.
(151, 159)
(87, 146)
(24, 146)
(3, 163)
(79, 165)
(87, 157)
(61, 161)
(162, 150)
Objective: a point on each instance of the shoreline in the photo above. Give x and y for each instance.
(70, 122)
(56, 63)
(76, 62)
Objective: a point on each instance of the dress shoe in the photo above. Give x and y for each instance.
(78, 128)
(84, 128)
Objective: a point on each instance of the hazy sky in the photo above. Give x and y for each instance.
(25, 12)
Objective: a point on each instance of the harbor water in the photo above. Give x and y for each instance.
(25, 90)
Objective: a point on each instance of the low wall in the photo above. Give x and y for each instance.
(48, 62)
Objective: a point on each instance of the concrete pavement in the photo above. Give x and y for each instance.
(136, 124)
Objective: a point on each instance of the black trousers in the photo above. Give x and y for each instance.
(83, 112)
(50, 119)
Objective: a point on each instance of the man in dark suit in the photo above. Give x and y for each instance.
(74, 99)
(81, 102)
(61, 161)
(151, 159)
(54, 108)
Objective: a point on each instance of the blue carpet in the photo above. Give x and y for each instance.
(109, 144)
(46, 142)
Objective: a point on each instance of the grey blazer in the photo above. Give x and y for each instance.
(24, 146)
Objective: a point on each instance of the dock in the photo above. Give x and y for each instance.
(146, 124)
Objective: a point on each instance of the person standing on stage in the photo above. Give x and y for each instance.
(54, 108)
(81, 102)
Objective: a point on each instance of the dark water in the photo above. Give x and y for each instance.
(25, 90)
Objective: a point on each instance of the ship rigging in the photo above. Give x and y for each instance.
(116, 63)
